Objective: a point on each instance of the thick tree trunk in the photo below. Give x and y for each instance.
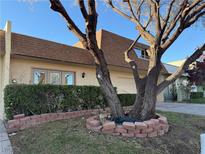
(150, 96)
(149, 101)
(110, 93)
(103, 77)
(137, 107)
(144, 106)
(102, 72)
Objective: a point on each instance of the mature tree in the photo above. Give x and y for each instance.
(160, 23)
(89, 41)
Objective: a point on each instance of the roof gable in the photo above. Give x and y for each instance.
(114, 46)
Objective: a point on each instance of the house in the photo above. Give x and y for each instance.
(177, 91)
(29, 60)
(178, 63)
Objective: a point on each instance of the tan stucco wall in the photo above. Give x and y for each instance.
(21, 71)
(1, 90)
(5, 66)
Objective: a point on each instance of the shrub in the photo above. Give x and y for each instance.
(127, 99)
(196, 95)
(38, 99)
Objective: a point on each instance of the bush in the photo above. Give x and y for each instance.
(196, 95)
(127, 99)
(38, 99)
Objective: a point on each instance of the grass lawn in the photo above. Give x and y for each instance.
(71, 137)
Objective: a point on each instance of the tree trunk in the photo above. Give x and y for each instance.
(150, 96)
(103, 77)
(103, 74)
(149, 101)
(144, 106)
(137, 107)
(109, 92)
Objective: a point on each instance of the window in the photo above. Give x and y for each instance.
(141, 53)
(54, 77)
(68, 78)
(41, 76)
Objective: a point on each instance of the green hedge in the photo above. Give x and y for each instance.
(38, 99)
(127, 99)
(195, 95)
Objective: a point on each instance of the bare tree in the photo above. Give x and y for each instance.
(89, 41)
(160, 23)
(146, 14)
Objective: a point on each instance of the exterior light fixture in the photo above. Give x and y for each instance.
(83, 75)
(14, 81)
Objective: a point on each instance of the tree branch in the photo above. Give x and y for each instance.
(184, 23)
(109, 2)
(195, 12)
(126, 53)
(132, 63)
(194, 19)
(174, 21)
(144, 33)
(83, 9)
(167, 16)
(131, 10)
(181, 69)
(56, 5)
(138, 10)
(185, 20)
(156, 13)
(92, 16)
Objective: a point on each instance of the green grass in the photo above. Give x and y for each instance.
(198, 100)
(71, 137)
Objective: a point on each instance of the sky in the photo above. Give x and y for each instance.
(35, 18)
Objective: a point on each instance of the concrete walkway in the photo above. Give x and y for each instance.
(195, 109)
(5, 144)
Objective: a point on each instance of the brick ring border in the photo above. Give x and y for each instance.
(149, 128)
(21, 122)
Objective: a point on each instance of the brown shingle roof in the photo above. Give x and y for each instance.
(112, 45)
(35, 47)
(2, 42)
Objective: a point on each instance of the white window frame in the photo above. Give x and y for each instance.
(63, 77)
(49, 77)
(142, 53)
(48, 73)
(40, 70)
